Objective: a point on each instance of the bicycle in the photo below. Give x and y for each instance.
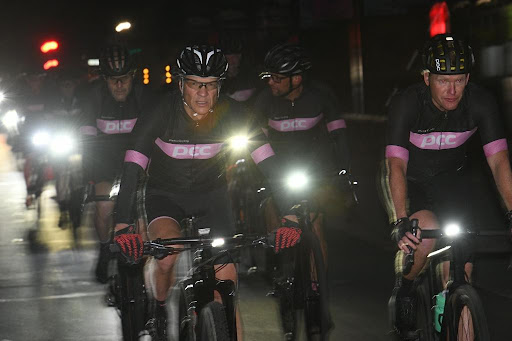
(199, 316)
(126, 289)
(300, 278)
(463, 317)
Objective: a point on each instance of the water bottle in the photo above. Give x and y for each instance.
(439, 310)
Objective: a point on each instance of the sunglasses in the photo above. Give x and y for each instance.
(123, 79)
(198, 85)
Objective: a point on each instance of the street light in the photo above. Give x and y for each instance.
(123, 26)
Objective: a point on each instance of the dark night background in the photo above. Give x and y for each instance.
(364, 49)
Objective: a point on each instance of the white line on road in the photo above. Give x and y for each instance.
(53, 297)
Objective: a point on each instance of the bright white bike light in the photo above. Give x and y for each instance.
(62, 144)
(41, 138)
(239, 142)
(217, 242)
(297, 181)
(452, 230)
(10, 119)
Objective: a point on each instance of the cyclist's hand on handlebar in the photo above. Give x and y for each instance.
(287, 236)
(130, 244)
(402, 235)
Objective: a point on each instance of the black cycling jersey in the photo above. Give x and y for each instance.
(308, 130)
(433, 141)
(106, 126)
(182, 155)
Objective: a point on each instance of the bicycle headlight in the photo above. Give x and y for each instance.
(239, 142)
(41, 138)
(10, 119)
(62, 144)
(297, 181)
(217, 242)
(452, 230)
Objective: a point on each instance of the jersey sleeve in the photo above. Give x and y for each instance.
(336, 126)
(136, 160)
(400, 112)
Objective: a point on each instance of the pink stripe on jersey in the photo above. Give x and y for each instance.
(440, 140)
(189, 151)
(89, 130)
(262, 153)
(397, 151)
(136, 157)
(295, 123)
(338, 124)
(494, 147)
(242, 95)
(265, 131)
(116, 126)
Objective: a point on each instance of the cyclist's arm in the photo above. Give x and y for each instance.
(397, 155)
(500, 167)
(336, 126)
(147, 128)
(485, 108)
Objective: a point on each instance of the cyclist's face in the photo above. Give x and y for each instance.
(279, 84)
(200, 93)
(120, 86)
(446, 90)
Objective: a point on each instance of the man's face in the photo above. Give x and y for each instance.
(200, 93)
(120, 86)
(234, 64)
(446, 90)
(279, 84)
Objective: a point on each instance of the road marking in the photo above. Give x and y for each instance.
(53, 297)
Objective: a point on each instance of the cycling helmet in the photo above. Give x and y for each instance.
(286, 59)
(445, 54)
(202, 61)
(115, 60)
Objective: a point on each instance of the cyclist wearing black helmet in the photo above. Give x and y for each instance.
(303, 121)
(110, 109)
(430, 124)
(185, 139)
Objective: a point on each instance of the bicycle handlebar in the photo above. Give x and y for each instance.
(160, 248)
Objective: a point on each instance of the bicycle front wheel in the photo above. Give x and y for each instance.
(465, 316)
(424, 320)
(311, 288)
(213, 325)
(133, 301)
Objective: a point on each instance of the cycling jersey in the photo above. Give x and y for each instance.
(302, 131)
(182, 155)
(433, 141)
(106, 125)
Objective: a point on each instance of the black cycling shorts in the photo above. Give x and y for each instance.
(213, 209)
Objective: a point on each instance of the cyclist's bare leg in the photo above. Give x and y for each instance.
(427, 221)
(228, 272)
(161, 271)
(103, 219)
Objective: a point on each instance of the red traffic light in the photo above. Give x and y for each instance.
(48, 46)
(439, 18)
(50, 63)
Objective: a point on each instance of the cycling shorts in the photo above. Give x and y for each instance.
(212, 207)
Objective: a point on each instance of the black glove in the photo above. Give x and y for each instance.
(400, 227)
(287, 236)
(130, 244)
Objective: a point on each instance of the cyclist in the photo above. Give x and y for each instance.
(240, 84)
(110, 109)
(304, 125)
(184, 139)
(429, 126)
